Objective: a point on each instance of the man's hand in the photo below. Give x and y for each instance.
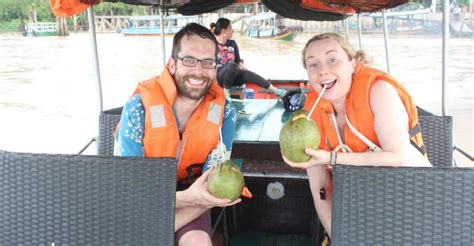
(197, 195)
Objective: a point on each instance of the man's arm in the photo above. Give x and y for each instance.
(129, 136)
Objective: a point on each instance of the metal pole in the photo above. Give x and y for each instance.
(359, 31)
(95, 62)
(444, 82)
(347, 28)
(385, 37)
(95, 55)
(162, 25)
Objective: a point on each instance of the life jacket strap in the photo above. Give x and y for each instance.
(372, 147)
(413, 132)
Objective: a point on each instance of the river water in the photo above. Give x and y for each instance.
(48, 96)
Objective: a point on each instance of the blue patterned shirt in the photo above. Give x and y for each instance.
(129, 137)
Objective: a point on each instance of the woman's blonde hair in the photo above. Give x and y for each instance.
(359, 55)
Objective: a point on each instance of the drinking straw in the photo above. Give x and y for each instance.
(316, 103)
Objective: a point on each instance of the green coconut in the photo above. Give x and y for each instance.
(296, 135)
(226, 181)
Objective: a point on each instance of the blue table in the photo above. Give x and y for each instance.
(259, 121)
(256, 139)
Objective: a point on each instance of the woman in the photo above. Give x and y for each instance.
(365, 117)
(230, 68)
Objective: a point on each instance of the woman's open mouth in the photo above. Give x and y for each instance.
(329, 83)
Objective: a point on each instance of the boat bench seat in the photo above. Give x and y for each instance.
(437, 136)
(86, 200)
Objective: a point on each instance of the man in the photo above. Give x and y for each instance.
(179, 114)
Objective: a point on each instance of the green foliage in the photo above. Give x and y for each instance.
(10, 26)
(11, 10)
(119, 9)
(464, 3)
(20, 10)
(43, 12)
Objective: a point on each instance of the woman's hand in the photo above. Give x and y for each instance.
(318, 157)
(197, 195)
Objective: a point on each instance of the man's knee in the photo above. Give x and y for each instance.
(195, 238)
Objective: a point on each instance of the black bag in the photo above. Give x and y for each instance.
(294, 100)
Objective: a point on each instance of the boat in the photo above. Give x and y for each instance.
(271, 26)
(38, 29)
(150, 25)
(403, 22)
(406, 206)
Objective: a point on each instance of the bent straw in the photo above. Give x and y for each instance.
(222, 144)
(316, 103)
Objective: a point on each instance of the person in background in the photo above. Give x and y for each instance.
(365, 117)
(179, 114)
(230, 68)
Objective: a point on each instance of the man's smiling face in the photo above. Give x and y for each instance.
(194, 82)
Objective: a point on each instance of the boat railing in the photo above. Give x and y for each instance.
(464, 152)
(42, 27)
(169, 20)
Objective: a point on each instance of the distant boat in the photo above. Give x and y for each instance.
(150, 25)
(40, 29)
(402, 21)
(271, 26)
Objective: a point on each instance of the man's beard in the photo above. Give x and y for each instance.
(192, 93)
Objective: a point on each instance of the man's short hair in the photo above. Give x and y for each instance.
(188, 30)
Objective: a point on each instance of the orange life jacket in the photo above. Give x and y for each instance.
(161, 136)
(65, 8)
(359, 113)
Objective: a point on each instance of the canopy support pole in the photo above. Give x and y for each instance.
(162, 26)
(385, 38)
(95, 62)
(359, 31)
(95, 55)
(346, 22)
(444, 82)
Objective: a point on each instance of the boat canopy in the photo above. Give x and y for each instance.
(319, 10)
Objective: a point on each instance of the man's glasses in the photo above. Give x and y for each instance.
(190, 61)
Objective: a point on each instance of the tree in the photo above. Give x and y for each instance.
(12, 10)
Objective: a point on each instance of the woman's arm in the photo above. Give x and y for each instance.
(323, 207)
(391, 127)
(234, 45)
